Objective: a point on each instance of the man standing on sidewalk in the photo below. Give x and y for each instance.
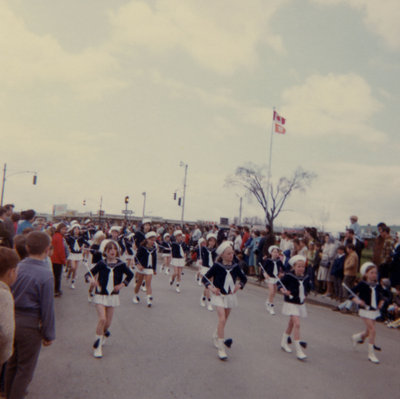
(34, 314)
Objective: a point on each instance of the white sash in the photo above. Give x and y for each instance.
(229, 284)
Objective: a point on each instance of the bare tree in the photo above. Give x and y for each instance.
(252, 178)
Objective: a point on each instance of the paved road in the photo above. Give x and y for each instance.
(167, 352)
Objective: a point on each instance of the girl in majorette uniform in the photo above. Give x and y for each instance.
(140, 236)
(108, 278)
(129, 251)
(146, 264)
(227, 278)
(97, 256)
(370, 299)
(295, 286)
(273, 268)
(115, 235)
(165, 247)
(201, 243)
(76, 245)
(208, 256)
(178, 259)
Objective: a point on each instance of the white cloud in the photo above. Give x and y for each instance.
(332, 105)
(28, 60)
(380, 16)
(200, 29)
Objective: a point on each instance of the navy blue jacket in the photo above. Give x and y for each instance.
(292, 284)
(102, 270)
(218, 273)
(142, 257)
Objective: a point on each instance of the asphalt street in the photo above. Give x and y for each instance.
(166, 351)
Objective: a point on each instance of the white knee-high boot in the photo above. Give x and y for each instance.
(371, 354)
(221, 349)
(284, 343)
(299, 352)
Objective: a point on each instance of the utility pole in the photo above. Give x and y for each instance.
(4, 182)
(240, 211)
(144, 202)
(184, 191)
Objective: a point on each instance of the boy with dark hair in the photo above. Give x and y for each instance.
(34, 314)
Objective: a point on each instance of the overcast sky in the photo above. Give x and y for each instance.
(105, 98)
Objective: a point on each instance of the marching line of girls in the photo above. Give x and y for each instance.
(221, 276)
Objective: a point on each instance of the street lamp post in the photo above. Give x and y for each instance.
(16, 173)
(184, 191)
(144, 202)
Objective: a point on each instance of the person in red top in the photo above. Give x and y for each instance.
(246, 236)
(58, 258)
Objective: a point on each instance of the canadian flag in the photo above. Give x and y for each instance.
(279, 123)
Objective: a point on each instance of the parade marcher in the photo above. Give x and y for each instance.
(110, 280)
(224, 279)
(273, 268)
(368, 294)
(96, 256)
(165, 247)
(76, 244)
(146, 264)
(208, 256)
(295, 286)
(178, 259)
(201, 243)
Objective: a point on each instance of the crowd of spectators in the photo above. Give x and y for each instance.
(332, 261)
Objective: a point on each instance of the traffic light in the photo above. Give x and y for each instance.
(179, 201)
(174, 196)
(127, 199)
(34, 179)
(84, 202)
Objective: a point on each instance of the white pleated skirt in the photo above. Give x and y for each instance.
(146, 272)
(204, 270)
(166, 255)
(271, 280)
(369, 314)
(72, 256)
(293, 309)
(224, 301)
(178, 262)
(106, 300)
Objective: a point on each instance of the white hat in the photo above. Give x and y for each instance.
(295, 259)
(144, 221)
(87, 221)
(115, 228)
(73, 226)
(150, 234)
(105, 242)
(223, 247)
(211, 235)
(365, 266)
(166, 235)
(201, 240)
(98, 234)
(74, 222)
(177, 232)
(271, 248)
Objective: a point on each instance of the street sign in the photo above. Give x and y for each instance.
(127, 212)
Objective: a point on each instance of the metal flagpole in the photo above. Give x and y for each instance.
(270, 157)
